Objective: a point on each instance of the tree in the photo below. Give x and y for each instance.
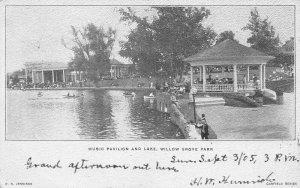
(285, 57)
(140, 49)
(92, 48)
(225, 35)
(175, 33)
(15, 79)
(262, 34)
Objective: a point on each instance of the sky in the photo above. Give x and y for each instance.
(34, 33)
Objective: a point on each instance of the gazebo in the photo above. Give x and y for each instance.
(228, 58)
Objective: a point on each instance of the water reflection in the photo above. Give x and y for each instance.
(102, 114)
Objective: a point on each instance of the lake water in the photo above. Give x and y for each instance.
(99, 114)
(108, 114)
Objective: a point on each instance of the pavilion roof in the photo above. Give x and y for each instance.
(46, 65)
(118, 63)
(228, 50)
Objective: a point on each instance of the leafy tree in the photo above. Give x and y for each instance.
(92, 48)
(140, 49)
(174, 33)
(285, 57)
(225, 35)
(15, 79)
(282, 60)
(262, 34)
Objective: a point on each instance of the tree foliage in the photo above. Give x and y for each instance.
(262, 34)
(15, 79)
(285, 57)
(165, 39)
(141, 50)
(92, 48)
(225, 35)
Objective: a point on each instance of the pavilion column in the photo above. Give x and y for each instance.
(204, 78)
(235, 86)
(26, 76)
(32, 79)
(75, 77)
(80, 75)
(37, 77)
(52, 76)
(248, 73)
(64, 79)
(260, 76)
(200, 73)
(43, 79)
(264, 75)
(191, 76)
(111, 71)
(222, 70)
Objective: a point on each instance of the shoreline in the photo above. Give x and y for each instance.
(88, 88)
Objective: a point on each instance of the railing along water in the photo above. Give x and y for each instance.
(219, 87)
(249, 86)
(225, 87)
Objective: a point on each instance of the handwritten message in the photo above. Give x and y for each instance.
(174, 163)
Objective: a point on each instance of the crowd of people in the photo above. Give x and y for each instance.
(48, 85)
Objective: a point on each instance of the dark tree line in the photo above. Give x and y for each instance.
(159, 43)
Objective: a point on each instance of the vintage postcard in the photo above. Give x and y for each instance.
(140, 94)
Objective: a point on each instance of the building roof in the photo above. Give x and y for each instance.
(118, 63)
(228, 50)
(43, 65)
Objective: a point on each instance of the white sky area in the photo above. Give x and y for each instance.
(33, 33)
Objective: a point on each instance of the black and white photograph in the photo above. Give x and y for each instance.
(150, 72)
(160, 94)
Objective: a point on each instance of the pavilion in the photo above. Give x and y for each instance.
(43, 72)
(118, 69)
(236, 59)
(51, 72)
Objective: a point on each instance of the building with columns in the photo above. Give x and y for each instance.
(50, 72)
(119, 69)
(236, 62)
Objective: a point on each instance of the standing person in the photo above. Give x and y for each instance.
(204, 128)
(245, 80)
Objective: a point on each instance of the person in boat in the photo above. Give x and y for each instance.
(68, 94)
(73, 95)
(40, 94)
(151, 95)
(133, 93)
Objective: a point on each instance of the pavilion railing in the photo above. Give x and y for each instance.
(249, 86)
(219, 87)
(199, 87)
(225, 87)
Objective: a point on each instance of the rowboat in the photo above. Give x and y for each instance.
(149, 97)
(126, 94)
(70, 96)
